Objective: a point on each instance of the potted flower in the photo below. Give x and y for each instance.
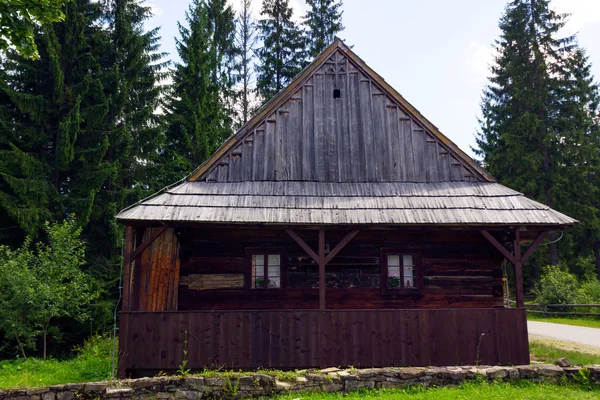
(393, 281)
(259, 281)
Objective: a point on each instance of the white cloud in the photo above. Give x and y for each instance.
(479, 58)
(583, 13)
(156, 11)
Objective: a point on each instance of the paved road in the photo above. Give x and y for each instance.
(566, 333)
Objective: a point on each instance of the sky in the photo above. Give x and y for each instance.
(436, 53)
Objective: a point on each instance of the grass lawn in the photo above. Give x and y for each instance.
(471, 391)
(579, 321)
(549, 351)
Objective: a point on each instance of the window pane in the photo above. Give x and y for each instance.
(274, 271)
(393, 261)
(258, 271)
(408, 269)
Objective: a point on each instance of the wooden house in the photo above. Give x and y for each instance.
(337, 227)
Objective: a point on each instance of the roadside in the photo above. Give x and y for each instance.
(576, 321)
(568, 333)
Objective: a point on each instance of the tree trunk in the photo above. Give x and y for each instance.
(554, 260)
(45, 334)
(20, 346)
(597, 256)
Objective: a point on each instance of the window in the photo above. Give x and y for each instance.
(401, 271)
(266, 271)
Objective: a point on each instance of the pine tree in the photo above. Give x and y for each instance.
(282, 54)
(133, 70)
(52, 159)
(323, 20)
(527, 136)
(246, 42)
(200, 106)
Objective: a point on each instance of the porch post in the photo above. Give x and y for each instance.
(322, 305)
(518, 270)
(516, 259)
(126, 283)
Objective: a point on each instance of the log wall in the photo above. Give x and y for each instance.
(455, 269)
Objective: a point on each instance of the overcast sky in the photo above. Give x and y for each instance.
(436, 53)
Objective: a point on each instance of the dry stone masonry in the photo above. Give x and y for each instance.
(252, 385)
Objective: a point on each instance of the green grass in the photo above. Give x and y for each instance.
(471, 390)
(579, 321)
(549, 351)
(93, 363)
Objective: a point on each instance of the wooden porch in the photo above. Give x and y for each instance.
(290, 339)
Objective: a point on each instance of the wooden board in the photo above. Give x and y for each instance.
(154, 342)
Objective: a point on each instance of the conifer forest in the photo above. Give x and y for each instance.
(95, 116)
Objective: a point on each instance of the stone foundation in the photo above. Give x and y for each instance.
(243, 385)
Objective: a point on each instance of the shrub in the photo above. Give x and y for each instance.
(556, 286)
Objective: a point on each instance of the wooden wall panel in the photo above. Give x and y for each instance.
(159, 268)
(362, 136)
(153, 342)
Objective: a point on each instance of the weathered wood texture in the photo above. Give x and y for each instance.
(152, 342)
(454, 269)
(365, 135)
(157, 273)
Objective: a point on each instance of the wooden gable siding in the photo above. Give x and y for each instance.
(366, 135)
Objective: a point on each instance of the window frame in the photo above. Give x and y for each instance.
(417, 274)
(264, 252)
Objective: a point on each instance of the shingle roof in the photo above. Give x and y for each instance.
(444, 203)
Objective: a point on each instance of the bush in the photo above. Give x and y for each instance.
(556, 286)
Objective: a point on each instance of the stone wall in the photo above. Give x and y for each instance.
(244, 385)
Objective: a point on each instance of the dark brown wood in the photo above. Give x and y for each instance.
(303, 244)
(322, 302)
(518, 270)
(533, 246)
(127, 281)
(315, 338)
(498, 246)
(147, 242)
(340, 245)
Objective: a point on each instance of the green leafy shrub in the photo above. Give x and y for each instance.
(556, 286)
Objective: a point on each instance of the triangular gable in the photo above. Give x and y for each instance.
(370, 133)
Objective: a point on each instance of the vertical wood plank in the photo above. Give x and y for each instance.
(380, 137)
(394, 149)
(366, 118)
(320, 141)
(330, 129)
(308, 131)
(283, 142)
(269, 153)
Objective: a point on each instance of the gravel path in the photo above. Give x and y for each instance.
(566, 333)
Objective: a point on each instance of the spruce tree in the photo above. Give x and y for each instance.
(246, 42)
(199, 107)
(52, 159)
(282, 54)
(528, 134)
(323, 21)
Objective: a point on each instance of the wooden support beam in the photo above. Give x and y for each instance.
(303, 244)
(518, 270)
(340, 246)
(499, 246)
(126, 283)
(322, 303)
(534, 245)
(147, 243)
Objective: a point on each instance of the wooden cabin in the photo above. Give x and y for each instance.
(337, 227)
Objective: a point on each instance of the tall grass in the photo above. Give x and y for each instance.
(91, 363)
